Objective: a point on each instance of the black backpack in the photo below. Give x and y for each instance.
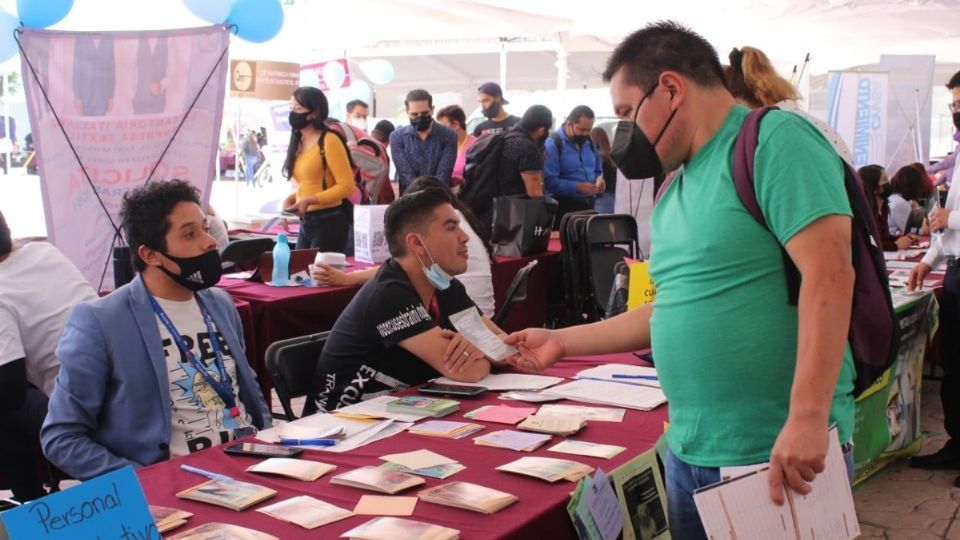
(481, 182)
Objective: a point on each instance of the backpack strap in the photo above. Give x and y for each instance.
(555, 137)
(744, 157)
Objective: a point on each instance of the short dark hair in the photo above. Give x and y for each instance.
(954, 81)
(353, 104)
(579, 112)
(6, 239)
(665, 46)
(907, 182)
(536, 117)
(145, 214)
(454, 113)
(417, 95)
(383, 128)
(410, 213)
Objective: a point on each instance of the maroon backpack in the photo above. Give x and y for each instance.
(874, 332)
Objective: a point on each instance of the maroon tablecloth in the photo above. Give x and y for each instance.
(539, 513)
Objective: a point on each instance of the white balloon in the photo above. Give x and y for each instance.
(360, 90)
(309, 78)
(379, 71)
(333, 75)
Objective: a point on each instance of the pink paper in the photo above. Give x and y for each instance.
(504, 414)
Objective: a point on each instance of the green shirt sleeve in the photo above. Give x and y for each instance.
(798, 175)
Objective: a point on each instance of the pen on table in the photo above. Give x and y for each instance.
(308, 442)
(629, 376)
(208, 474)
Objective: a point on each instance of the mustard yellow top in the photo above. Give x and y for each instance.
(309, 172)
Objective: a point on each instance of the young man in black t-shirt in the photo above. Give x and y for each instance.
(491, 100)
(396, 331)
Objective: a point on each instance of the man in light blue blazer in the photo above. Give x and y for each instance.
(156, 368)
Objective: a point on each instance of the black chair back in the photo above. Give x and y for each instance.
(516, 292)
(291, 364)
(245, 253)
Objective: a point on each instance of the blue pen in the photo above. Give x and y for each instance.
(307, 442)
(208, 474)
(628, 376)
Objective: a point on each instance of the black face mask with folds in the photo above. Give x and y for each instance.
(492, 111)
(632, 151)
(297, 120)
(421, 123)
(885, 191)
(956, 120)
(196, 273)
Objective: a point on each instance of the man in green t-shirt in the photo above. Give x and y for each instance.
(749, 378)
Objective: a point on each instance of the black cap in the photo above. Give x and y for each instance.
(493, 89)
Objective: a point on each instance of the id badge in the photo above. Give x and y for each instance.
(248, 431)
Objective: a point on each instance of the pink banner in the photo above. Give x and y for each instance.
(121, 97)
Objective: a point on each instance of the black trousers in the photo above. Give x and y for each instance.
(325, 230)
(19, 444)
(565, 206)
(950, 355)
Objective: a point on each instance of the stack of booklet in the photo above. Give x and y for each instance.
(168, 519)
(216, 531)
(500, 413)
(584, 448)
(553, 424)
(423, 463)
(548, 469)
(232, 494)
(306, 512)
(448, 430)
(391, 528)
(377, 479)
(423, 406)
(513, 440)
(642, 398)
(469, 497)
(299, 469)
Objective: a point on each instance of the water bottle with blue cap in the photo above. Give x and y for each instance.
(281, 261)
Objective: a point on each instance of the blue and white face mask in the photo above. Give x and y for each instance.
(435, 275)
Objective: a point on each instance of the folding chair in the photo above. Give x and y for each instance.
(517, 291)
(246, 253)
(607, 240)
(291, 364)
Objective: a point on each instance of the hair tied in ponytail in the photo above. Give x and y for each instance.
(736, 59)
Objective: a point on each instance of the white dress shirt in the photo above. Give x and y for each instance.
(948, 243)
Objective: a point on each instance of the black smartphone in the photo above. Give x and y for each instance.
(451, 389)
(262, 450)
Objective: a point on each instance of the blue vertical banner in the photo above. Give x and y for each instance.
(857, 110)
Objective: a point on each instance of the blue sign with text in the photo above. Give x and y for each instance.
(109, 507)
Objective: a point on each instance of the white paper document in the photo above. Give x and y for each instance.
(622, 373)
(741, 508)
(356, 432)
(508, 381)
(377, 408)
(643, 398)
(469, 324)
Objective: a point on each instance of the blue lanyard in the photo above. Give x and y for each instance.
(224, 386)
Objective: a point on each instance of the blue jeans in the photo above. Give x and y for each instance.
(683, 479)
(604, 203)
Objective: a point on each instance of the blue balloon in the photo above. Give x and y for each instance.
(37, 14)
(8, 45)
(256, 20)
(212, 11)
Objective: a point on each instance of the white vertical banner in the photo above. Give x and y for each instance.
(857, 110)
(124, 107)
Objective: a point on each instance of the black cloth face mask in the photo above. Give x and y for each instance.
(956, 120)
(492, 111)
(421, 123)
(196, 273)
(634, 154)
(297, 120)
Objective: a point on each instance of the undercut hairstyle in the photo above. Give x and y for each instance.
(410, 213)
(752, 78)
(954, 81)
(430, 182)
(453, 113)
(536, 117)
(6, 239)
(665, 46)
(351, 105)
(145, 214)
(908, 183)
(417, 95)
(579, 112)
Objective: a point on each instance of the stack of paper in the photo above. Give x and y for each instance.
(469, 497)
(357, 432)
(552, 424)
(622, 373)
(423, 406)
(528, 396)
(508, 381)
(306, 512)
(436, 471)
(209, 531)
(513, 440)
(643, 398)
(548, 469)
(375, 408)
(379, 505)
(597, 512)
(391, 528)
(300, 469)
(377, 479)
(419, 459)
(448, 430)
(168, 519)
(500, 413)
(600, 414)
(584, 448)
(231, 494)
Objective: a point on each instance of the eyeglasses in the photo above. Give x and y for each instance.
(954, 107)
